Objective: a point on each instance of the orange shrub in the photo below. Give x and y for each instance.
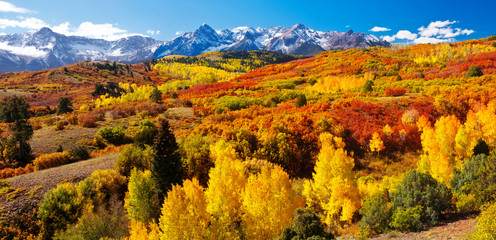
(12, 172)
(107, 151)
(36, 123)
(51, 160)
(395, 91)
(72, 118)
(50, 121)
(88, 120)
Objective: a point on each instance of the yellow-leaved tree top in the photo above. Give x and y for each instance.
(142, 231)
(225, 187)
(439, 147)
(184, 212)
(376, 143)
(269, 203)
(333, 192)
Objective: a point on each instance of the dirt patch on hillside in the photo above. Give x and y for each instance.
(13, 92)
(460, 229)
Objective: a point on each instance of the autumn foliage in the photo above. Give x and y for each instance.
(240, 140)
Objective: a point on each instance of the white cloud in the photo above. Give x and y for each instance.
(435, 32)
(9, 7)
(388, 38)
(105, 31)
(442, 29)
(3, 34)
(405, 34)
(348, 26)
(440, 24)
(179, 33)
(28, 23)
(151, 32)
(422, 40)
(30, 51)
(379, 29)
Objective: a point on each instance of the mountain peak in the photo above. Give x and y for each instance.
(205, 26)
(299, 26)
(45, 31)
(350, 32)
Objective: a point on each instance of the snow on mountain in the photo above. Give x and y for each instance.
(46, 49)
(297, 39)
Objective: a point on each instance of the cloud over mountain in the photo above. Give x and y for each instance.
(435, 32)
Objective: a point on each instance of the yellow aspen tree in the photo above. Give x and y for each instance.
(184, 213)
(423, 122)
(439, 145)
(367, 186)
(387, 130)
(487, 120)
(142, 231)
(463, 144)
(225, 187)
(429, 147)
(269, 203)
(333, 191)
(376, 144)
(446, 130)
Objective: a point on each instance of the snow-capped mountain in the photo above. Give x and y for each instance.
(297, 39)
(46, 49)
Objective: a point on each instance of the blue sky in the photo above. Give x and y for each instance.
(399, 21)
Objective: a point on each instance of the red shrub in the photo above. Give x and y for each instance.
(122, 112)
(88, 120)
(395, 91)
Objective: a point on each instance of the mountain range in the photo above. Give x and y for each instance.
(298, 39)
(46, 49)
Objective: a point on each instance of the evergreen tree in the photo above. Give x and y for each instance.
(306, 225)
(368, 86)
(64, 106)
(14, 111)
(481, 148)
(166, 161)
(156, 96)
(421, 189)
(474, 71)
(301, 101)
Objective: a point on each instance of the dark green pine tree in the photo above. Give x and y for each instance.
(64, 105)
(166, 168)
(156, 96)
(14, 111)
(306, 225)
(368, 86)
(481, 148)
(474, 71)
